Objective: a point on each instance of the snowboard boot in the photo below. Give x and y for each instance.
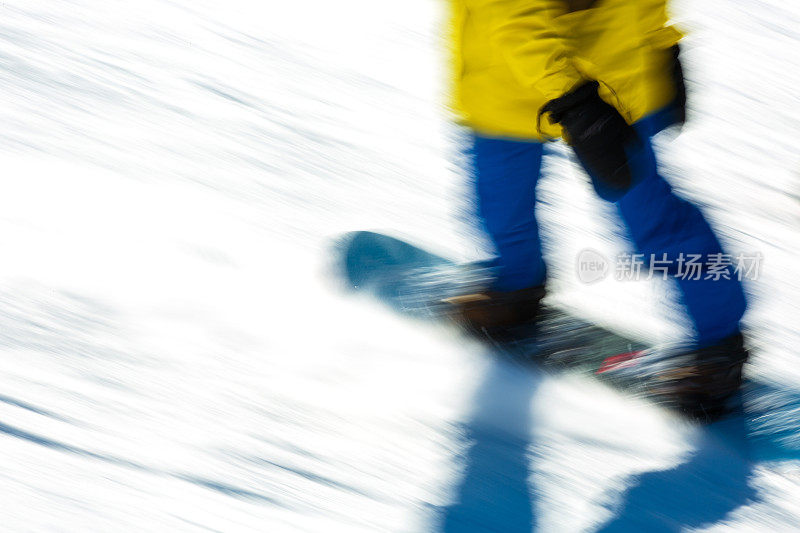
(700, 382)
(495, 314)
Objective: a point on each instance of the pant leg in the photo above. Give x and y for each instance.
(505, 173)
(660, 222)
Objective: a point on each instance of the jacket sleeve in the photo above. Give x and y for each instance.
(525, 33)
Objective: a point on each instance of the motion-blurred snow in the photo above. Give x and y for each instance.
(174, 357)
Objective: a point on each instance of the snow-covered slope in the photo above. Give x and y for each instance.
(175, 358)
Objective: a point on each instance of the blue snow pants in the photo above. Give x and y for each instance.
(657, 221)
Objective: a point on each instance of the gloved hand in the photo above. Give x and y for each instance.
(597, 133)
(676, 74)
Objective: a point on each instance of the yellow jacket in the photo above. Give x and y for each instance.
(512, 56)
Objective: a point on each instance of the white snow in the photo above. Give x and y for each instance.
(175, 356)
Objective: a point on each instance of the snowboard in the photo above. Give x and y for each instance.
(415, 282)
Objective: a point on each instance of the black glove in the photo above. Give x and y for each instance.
(597, 133)
(676, 73)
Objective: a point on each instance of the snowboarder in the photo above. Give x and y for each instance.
(605, 77)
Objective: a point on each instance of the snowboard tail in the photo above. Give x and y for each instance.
(417, 283)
